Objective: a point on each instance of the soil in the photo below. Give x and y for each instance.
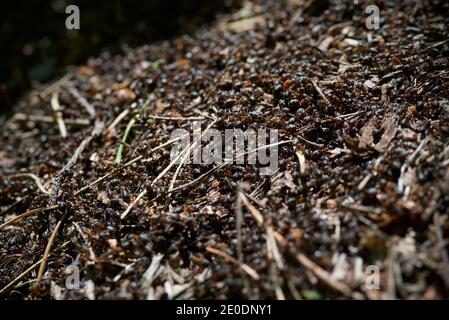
(358, 208)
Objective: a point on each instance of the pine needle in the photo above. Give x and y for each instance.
(25, 215)
(23, 274)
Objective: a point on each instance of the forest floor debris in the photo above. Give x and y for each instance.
(362, 184)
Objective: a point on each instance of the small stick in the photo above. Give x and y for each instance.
(17, 279)
(60, 175)
(310, 142)
(408, 162)
(315, 85)
(157, 148)
(274, 255)
(82, 101)
(272, 245)
(250, 197)
(260, 186)
(362, 208)
(47, 119)
(56, 107)
(245, 24)
(187, 149)
(126, 165)
(349, 115)
(199, 178)
(117, 120)
(32, 176)
(320, 273)
(238, 225)
(218, 167)
(364, 182)
(325, 277)
(184, 158)
(260, 220)
(250, 271)
(93, 183)
(55, 86)
(255, 213)
(125, 213)
(48, 248)
(176, 118)
(86, 240)
(181, 163)
(171, 164)
(25, 215)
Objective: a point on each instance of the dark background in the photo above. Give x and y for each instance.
(36, 46)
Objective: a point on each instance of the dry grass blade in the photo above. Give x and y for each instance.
(441, 248)
(326, 277)
(238, 225)
(220, 166)
(25, 215)
(171, 164)
(55, 86)
(181, 163)
(126, 165)
(199, 178)
(131, 206)
(56, 107)
(320, 92)
(43, 263)
(60, 175)
(257, 190)
(18, 278)
(310, 142)
(273, 247)
(86, 240)
(186, 151)
(47, 119)
(129, 126)
(93, 183)
(302, 161)
(273, 254)
(32, 176)
(250, 271)
(55, 189)
(117, 120)
(176, 118)
(169, 142)
(82, 101)
(244, 25)
(254, 212)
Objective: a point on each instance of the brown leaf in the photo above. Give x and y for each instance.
(367, 133)
(390, 129)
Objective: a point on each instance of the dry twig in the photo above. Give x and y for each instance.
(25, 215)
(18, 278)
(56, 107)
(32, 176)
(250, 271)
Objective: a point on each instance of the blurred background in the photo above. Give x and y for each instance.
(36, 46)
